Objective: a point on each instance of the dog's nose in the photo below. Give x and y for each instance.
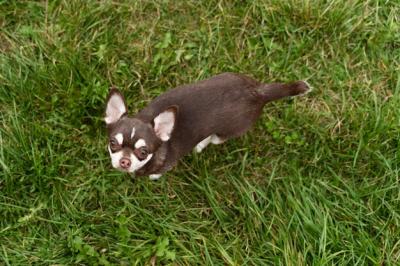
(125, 163)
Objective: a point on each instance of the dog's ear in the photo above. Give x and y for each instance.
(116, 106)
(164, 123)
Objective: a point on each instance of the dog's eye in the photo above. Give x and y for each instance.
(141, 153)
(114, 144)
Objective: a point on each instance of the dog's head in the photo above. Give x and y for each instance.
(133, 142)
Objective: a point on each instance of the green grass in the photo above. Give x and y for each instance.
(316, 182)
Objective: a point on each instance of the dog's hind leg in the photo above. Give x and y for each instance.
(202, 144)
(214, 139)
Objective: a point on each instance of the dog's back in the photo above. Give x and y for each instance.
(225, 105)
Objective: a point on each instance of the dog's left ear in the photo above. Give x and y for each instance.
(116, 106)
(164, 123)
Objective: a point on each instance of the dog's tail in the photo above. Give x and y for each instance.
(275, 91)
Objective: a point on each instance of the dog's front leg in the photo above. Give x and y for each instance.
(155, 176)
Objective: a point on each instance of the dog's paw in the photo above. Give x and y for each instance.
(202, 144)
(155, 176)
(199, 148)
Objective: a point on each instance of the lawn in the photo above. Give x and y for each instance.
(315, 182)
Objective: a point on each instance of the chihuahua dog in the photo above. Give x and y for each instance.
(190, 116)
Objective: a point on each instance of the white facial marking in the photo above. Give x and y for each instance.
(120, 138)
(133, 132)
(115, 109)
(136, 164)
(115, 157)
(140, 143)
(163, 125)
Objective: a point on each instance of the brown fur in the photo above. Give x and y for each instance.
(226, 105)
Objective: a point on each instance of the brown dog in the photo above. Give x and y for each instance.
(190, 116)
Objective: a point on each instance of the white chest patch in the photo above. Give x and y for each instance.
(120, 138)
(140, 143)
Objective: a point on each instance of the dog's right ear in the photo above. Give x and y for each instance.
(116, 106)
